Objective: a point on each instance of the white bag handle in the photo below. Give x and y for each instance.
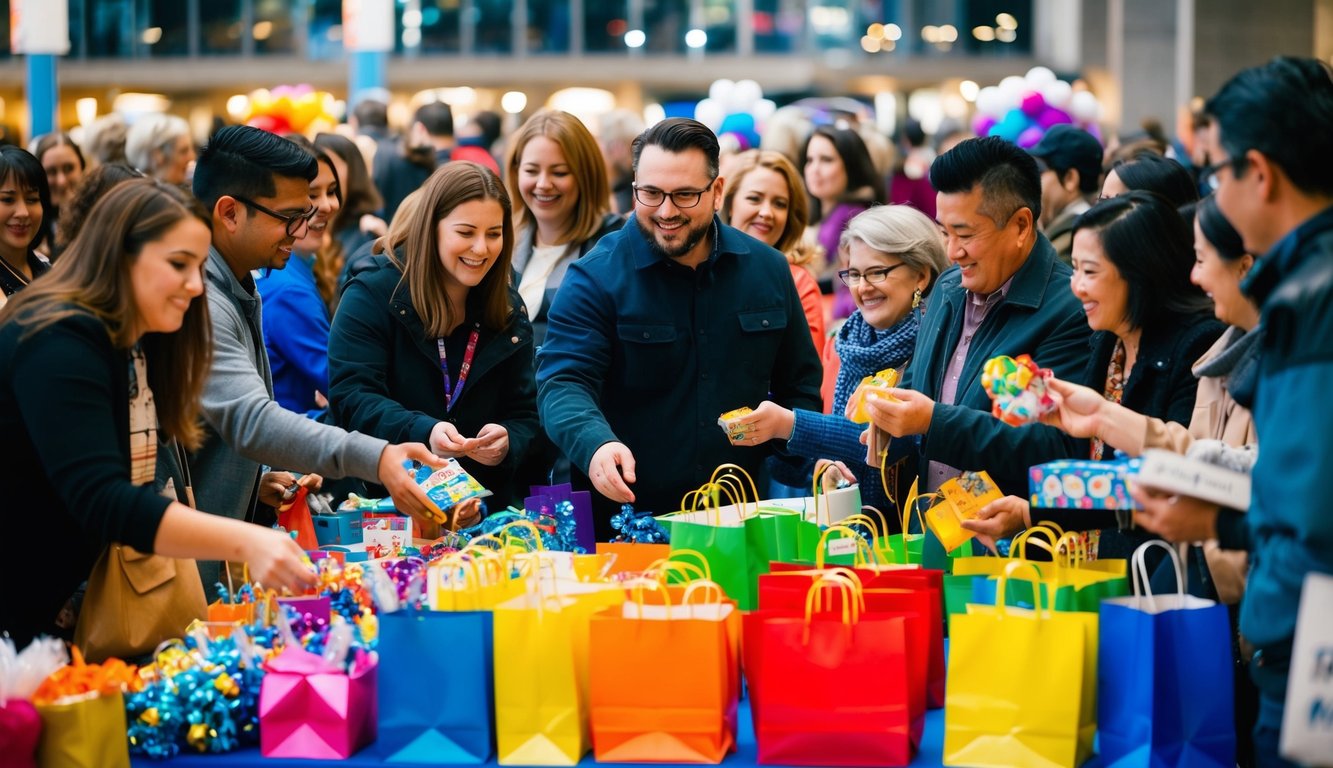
(1139, 565)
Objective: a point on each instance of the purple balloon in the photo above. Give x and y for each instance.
(1053, 116)
(1030, 137)
(1032, 104)
(982, 124)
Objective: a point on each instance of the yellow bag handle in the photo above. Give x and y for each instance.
(486, 538)
(702, 561)
(817, 490)
(711, 588)
(1074, 547)
(1043, 530)
(822, 548)
(663, 567)
(638, 584)
(736, 493)
(1037, 590)
(852, 602)
(737, 473)
(844, 573)
(536, 545)
(877, 555)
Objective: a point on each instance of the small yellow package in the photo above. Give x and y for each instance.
(961, 498)
(885, 379)
(735, 432)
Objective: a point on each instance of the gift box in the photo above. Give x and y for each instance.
(342, 527)
(309, 708)
(1080, 484)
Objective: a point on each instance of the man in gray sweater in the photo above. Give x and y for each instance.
(257, 186)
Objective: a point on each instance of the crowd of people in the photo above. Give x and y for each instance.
(184, 337)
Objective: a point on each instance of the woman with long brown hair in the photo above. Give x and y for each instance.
(431, 344)
(98, 360)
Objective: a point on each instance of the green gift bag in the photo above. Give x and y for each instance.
(738, 539)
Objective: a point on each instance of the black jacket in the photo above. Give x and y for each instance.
(385, 380)
(1162, 384)
(65, 415)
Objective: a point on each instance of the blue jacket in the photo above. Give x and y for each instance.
(1041, 317)
(1291, 509)
(649, 353)
(385, 380)
(296, 335)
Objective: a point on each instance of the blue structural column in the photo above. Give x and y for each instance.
(368, 71)
(368, 34)
(43, 93)
(41, 32)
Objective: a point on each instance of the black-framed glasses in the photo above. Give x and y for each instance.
(875, 275)
(1209, 175)
(685, 198)
(292, 221)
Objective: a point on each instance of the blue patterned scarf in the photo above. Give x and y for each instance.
(864, 351)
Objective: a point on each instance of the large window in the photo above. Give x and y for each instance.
(605, 25)
(274, 28)
(220, 26)
(162, 27)
(494, 25)
(440, 25)
(549, 26)
(666, 22)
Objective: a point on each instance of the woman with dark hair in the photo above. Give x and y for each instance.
(63, 162)
(356, 223)
(432, 344)
(25, 201)
(1133, 257)
(295, 317)
(1151, 172)
(99, 360)
(842, 182)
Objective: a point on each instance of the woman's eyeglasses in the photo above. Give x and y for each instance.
(851, 278)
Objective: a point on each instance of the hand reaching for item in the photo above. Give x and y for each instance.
(276, 488)
(490, 446)
(904, 412)
(767, 422)
(1000, 519)
(611, 471)
(402, 486)
(1173, 517)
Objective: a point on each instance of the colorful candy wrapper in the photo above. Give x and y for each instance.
(878, 384)
(735, 432)
(449, 485)
(1017, 388)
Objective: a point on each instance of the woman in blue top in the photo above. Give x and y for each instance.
(894, 254)
(296, 319)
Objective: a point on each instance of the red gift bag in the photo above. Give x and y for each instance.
(295, 516)
(929, 580)
(829, 688)
(788, 591)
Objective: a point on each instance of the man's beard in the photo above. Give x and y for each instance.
(692, 238)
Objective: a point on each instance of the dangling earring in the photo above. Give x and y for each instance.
(916, 298)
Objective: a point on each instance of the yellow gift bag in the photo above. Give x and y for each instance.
(1022, 685)
(541, 671)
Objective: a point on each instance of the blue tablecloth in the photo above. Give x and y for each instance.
(931, 754)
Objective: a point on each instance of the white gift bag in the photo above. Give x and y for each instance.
(1307, 722)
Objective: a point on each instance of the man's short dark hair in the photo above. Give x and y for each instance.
(679, 134)
(436, 117)
(1154, 173)
(242, 161)
(1008, 176)
(1283, 109)
(371, 113)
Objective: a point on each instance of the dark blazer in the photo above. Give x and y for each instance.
(65, 415)
(1039, 316)
(1162, 384)
(385, 381)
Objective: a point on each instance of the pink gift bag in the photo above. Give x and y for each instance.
(309, 708)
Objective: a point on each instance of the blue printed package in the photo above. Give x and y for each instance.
(1080, 484)
(449, 485)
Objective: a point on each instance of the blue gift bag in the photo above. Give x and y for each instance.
(436, 687)
(1164, 678)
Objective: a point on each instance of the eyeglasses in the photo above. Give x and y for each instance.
(1210, 177)
(293, 221)
(852, 278)
(685, 198)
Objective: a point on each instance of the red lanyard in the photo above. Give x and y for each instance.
(451, 390)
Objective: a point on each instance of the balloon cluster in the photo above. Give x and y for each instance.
(1022, 109)
(291, 108)
(736, 109)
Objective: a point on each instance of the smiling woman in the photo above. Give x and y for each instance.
(432, 344)
(113, 345)
(24, 199)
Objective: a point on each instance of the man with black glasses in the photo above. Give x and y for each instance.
(257, 185)
(661, 328)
